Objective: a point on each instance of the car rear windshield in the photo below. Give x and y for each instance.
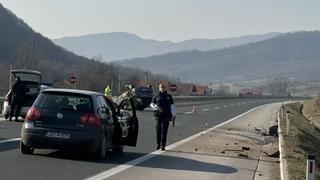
(30, 77)
(144, 89)
(64, 101)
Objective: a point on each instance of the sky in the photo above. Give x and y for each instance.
(174, 20)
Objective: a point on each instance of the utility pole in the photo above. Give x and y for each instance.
(146, 78)
(10, 77)
(119, 83)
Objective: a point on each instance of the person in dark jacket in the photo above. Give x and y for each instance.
(164, 112)
(18, 93)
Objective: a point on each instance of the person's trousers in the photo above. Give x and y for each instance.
(15, 107)
(162, 131)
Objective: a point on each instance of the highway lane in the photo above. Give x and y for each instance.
(48, 164)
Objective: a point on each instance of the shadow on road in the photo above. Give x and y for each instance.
(9, 146)
(186, 164)
(159, 161)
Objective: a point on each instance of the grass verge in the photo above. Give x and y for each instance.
(303, 139)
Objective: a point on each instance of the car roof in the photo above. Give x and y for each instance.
(77, 91)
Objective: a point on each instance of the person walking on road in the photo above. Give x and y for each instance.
(18, 93)
(164, 112)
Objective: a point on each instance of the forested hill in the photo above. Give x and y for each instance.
(291, 55)
(21, 47)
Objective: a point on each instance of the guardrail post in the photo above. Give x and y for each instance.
(311, 167)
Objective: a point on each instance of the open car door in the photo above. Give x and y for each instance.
(128, 121)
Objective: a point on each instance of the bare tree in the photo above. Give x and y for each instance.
(279, 87)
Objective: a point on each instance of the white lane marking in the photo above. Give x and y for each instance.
(217, 108)
(239, 104)
(232, 105)
(205, 109)
(10, 140)
(225, 106)
(188, 112)
(108, 173)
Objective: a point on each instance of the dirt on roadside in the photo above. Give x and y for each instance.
(303, 138)
(248, 141)
(311, 110)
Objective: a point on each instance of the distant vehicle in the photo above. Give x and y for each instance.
(46, 85)
(142, 97)
(32, 80)
(78, 120)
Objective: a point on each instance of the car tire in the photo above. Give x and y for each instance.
(101, 152)
(117, 149)
(25, 149)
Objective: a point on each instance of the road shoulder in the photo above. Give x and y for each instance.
(238, 149)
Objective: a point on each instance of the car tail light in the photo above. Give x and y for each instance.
(90, 118)
(33, 114)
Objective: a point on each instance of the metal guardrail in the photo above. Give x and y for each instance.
(208, 98)
(180, 99)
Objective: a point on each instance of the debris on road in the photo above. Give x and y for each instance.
(275, 154)
(243, 155)
(273, 130)
(246, 148)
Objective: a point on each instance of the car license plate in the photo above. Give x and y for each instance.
(57, 135)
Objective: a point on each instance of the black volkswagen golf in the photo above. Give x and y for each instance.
(78, 120)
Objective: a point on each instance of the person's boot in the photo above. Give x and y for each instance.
(158, 147)
(163, 148)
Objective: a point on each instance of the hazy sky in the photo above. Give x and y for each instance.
(173, 20)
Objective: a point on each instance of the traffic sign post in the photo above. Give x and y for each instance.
(73, 81)
(173, 87)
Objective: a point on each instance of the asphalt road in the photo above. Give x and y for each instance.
(49, 164)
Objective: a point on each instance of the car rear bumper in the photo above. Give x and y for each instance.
(79, 141)
(6, 110)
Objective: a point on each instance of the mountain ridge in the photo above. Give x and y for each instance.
(122, 45)
(284, 55)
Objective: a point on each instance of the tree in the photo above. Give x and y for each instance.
(279, 86)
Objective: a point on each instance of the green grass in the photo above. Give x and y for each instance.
(304, 138)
